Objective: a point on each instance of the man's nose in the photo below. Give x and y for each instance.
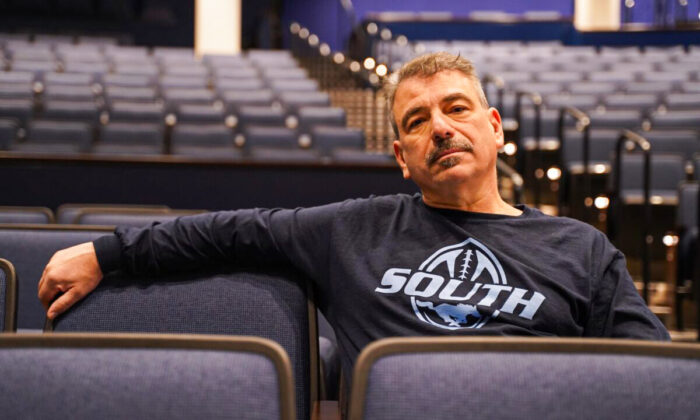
(441, 128)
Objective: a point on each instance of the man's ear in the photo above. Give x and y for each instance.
(398, 153)
(497, 125)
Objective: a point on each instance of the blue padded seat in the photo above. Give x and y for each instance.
(8, 132)
(295, 100)
(524, 378)
(130, 138)
(57, 137)
(8, 297)
(272, 73)
(676, 119)
(68, 79)
(601, 150)
(312, 116)
(631, 101)
(124, 80)
(683, 101)
(36, 67)
(648, 87)
(137, 112)
(68, 213)
(144, 376)
(173, 81)
(260, 115)
(197, 113)
(234, 100)
(29, 249)
(19, 109)
(31, 215)
(226, 73)
(271, 303)
(243, 84)
(23, 91)
(326, 139)
(592, 88)
(95, 69)
(176, 96)
(667, 172)
(130, 94)
(62, 110)
(70, 93)
(294, 85)
(681, 142)
(582, 101)
(129, 217)
(205, 141)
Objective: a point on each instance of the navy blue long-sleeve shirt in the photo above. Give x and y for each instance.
(392, 266)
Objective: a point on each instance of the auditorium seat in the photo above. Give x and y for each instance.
(29, 249)
(130, 94)
(292, 101)
(268, 116)
(130, 138)
(631, 101)
(206, 141)
(56, 137)
(176, 81)
(26, 214)
(154, 376)
(272, 303)
(8, 297)
(19, 109)
(8, 133)
(124, 80)
(683, 101)
(667, 171)
(524, 378)
(236, 99)
(63, 110)
(68, 212)
(132, 217)
(684, 143)
(312, 116)
(68, 79)
(676, 119)
(329, 140)
(242, 84)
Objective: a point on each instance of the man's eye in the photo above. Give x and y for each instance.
(415, 123)
(458, 109)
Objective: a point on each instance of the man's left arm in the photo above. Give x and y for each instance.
(618, 310)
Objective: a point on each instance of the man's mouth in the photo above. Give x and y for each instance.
(441, 152)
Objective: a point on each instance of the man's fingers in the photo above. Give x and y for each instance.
(47, 291)
(64, 302)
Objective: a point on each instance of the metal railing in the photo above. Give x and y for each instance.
(522, 163)
(583, 124)
(631, 138)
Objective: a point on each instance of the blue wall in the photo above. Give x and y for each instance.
(332, 24)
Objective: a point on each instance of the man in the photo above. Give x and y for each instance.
(455, 259)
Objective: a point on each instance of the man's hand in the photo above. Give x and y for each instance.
(73, 271)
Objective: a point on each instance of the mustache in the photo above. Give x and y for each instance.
(435, 155)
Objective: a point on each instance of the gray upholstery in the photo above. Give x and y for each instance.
(667, 171)
(142, 382)
(132, 218)
(260, 115)
(33, 215)
(531, 385)
(29, 250)
(57, 136)
(312, 116)
(8, 297)
(326, 139)
(676, 119)
(271, 305)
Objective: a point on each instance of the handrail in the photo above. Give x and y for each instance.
(583, 123)
(515, 178)
(616, 200)
(536, 100)
(500, 85)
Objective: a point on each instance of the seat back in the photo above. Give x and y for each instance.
(14, 214)
(161, 376)
(272, 303)
(30, 247)
(129, 217)
(525, 378)
(8, 297)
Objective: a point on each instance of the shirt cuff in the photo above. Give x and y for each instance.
(109, 253)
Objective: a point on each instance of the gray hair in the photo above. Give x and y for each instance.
(426, 66)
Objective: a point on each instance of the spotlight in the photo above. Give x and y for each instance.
(381, 70)
(369, 63)
(355, 66)
(338, 58)
(601, 202)
(510, 149)
(553, 173)
(372, 28)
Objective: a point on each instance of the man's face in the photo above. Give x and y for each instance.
(446, 135)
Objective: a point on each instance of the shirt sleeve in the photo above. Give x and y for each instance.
(299, 237)
(618, 310)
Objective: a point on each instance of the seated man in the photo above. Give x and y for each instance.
(455, 259)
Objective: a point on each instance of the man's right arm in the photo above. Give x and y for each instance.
(75, 272)
(296, 236)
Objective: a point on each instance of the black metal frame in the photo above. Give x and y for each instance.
(583, 123)
(615, 216)
(522, 163)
